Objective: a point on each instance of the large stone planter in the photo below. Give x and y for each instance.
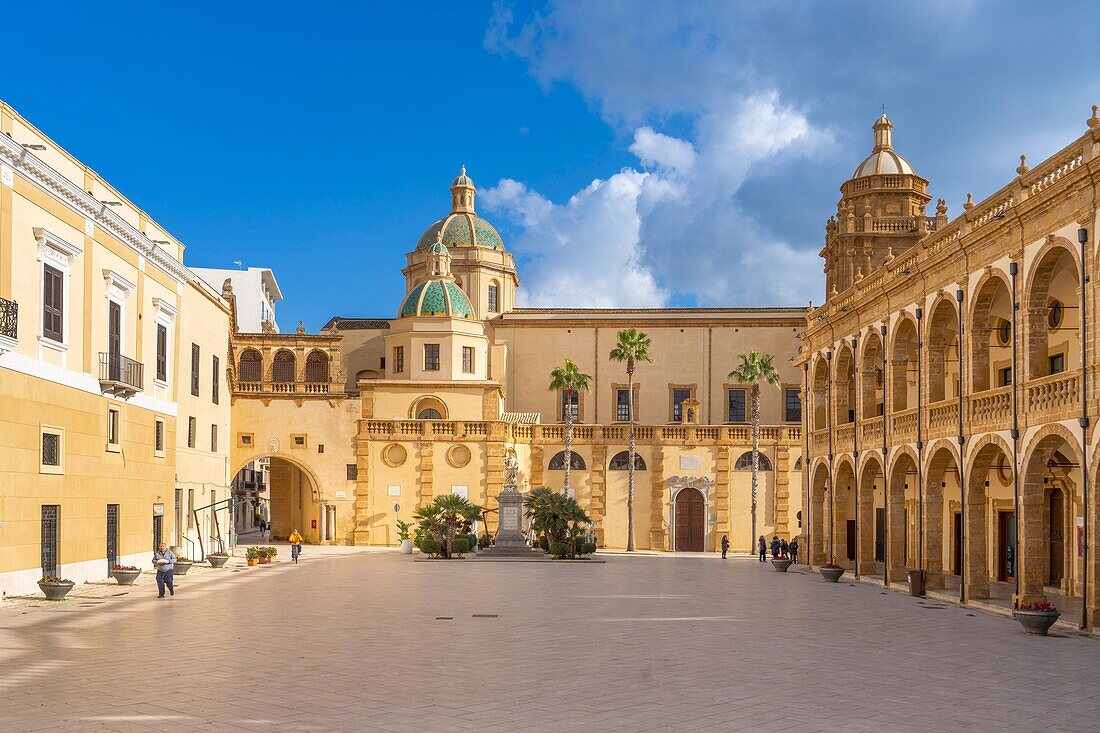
(125, 577)
(217, 561)
(406, 547)
(1036, 622)
(181, 567)
(781, 565)
(55, 591)
(831, 575)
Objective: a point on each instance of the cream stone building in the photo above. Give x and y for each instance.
(950, 382)
(114, 402)
(373, 417)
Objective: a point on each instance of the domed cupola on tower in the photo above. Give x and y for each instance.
(881, 214)
(439, 295)
(480, 266)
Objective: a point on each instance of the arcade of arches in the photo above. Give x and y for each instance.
(952, 373)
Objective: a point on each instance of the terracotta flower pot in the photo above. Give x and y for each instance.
(781, 565)
(1036, 622)
(253, 561)
(125, 577)
(831, 575)
(55, 591)
(265, 560)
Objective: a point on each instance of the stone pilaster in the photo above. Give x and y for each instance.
(722, 506)
(597, 505)
(974, 544)
(425, 491)
(1034, 534)
(658, 532)
(865, 528)
(840, 526)
(781, 516)
(362, 532)
(933, 536)
(896, 559)
(494, 468)
(535, 477)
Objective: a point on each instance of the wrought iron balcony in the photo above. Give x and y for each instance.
(119, 375)
(9, 320)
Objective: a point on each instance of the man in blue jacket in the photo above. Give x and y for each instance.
(165, 561)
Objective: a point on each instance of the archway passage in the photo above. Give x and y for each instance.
(690, 521)
(291, 501)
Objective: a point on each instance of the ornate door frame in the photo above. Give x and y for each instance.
(704, 486)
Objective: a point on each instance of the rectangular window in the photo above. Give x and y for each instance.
(51, 520)
(792, 407)
(494, 305)
(622, 404)
(570, 402)
(1004, 377)
(678, 397)
(467, 360)
(213, 438)
(190, 509)
(195, 369)
(53, 304)
(398, 359)
(431, 357)
(382, 362)
(162, 352)
(215, 394)
(158, 437)
(353, 472)
(1057, 363)
(113, 419)
(191, 426)
(52, 451)
(735, 411)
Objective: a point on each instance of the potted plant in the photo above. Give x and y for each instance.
(55, 588)
(252, 556)
(218, 559)
(1036, 618)
(403, 536)
(782, 563)
(125, 574)
(831, 572)
(268, 555)
(183, 564)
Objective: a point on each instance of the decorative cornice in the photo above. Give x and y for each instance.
(690, 482)
(117, 282)
(41, 174)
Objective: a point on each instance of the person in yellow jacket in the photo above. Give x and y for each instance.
(295, 545)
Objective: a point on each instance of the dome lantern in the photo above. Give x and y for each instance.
(462, 194)
(883, 160)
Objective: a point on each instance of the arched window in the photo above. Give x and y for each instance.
(317, 367)
(576, 462)
(251, 368)
(744, 463)
(621, 462)
(494, 297)
(282, 367)
(429, 414)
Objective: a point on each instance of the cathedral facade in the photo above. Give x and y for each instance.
(371, 418)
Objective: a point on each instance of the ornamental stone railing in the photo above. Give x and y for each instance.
(903, 426)
(943, 418)
(990, 409)
(1052, 394)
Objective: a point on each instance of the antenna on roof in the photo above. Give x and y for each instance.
(238, 264)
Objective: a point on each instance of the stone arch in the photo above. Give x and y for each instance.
(295, 498)
(990, 310)
(942, 479)
(621, 462)
(871, 490)
(872, 379)
(819, 486)
(284, 367)
(576, 462)
(317, 367)
(744, 462)
(844, 388)
(1037, 528)
(250, 366)
(901, 493)
(819, 388)
(941, 342)
(843, 507)
(1054, 275)
(903, 363)
(424, 403)
(981, 456)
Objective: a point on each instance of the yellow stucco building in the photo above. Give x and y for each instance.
(114, 403)
(951, 382)
(372, 418)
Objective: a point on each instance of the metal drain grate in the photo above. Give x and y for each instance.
(444, 618)
(485, 615)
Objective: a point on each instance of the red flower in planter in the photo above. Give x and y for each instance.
(831, 566)
(1038, 606)
(116, 566)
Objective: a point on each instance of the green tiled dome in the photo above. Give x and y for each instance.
(461, 230)
(437, 298)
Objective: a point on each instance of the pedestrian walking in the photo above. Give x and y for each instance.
(784, 548)
(794, 550)
(763, 549)
(775, 546)
(165, 562)
(725, 546)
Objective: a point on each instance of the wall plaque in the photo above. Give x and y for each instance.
(690, 462)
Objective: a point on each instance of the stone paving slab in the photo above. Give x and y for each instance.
(351, 642)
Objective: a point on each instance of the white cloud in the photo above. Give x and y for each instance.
(661, 151)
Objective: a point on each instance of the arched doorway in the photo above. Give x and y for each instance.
(286, 497)
(691, 520)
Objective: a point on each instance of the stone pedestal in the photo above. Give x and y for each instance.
(510, 542)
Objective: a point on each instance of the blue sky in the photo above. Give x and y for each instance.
(631, 153)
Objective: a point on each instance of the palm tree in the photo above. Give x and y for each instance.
(754, 369)
(632, 347)
(571, 381)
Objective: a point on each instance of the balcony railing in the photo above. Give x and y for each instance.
(1053, 394)
(943, 418)
(845, 438)
(870, 432)
(298, 388)
(991, 408)
(9, 319)
(903, 426)
(120, 375)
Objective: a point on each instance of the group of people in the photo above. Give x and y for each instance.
(781, 549)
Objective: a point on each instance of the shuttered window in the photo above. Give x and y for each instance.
(53, 305)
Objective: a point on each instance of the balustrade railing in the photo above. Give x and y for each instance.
(991, 408)
(1053, 393)
(119, 374)
(870, 432)
(903, 426)
(820, 442)
(844, 440)
(943, 418)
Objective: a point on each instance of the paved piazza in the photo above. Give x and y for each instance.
(352, 641)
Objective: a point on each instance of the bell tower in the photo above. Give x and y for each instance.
(881, 214)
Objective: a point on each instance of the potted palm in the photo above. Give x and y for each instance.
(125, 574)
(182, 565)
(1036, 618)
(403, 537)
(632, 347)
(570, 381)
(754, 369)
(831, 572)
(218, 559)
(55, 588)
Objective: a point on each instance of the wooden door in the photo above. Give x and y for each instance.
(690, 521)
(1057, 537)
(880, 534)
(850, 538)
(957, 547)
(114, 341)
(1006, 537)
